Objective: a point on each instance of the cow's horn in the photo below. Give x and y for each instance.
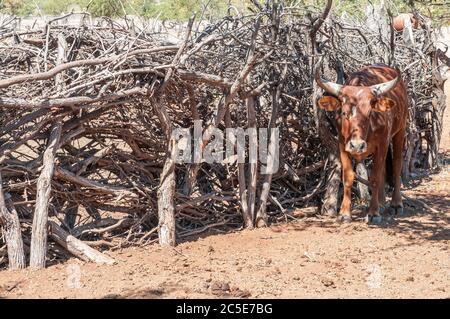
(330, 87)
(383, 88)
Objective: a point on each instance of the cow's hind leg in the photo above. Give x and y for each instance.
(397, 143)
(381, 189)
(376, 178)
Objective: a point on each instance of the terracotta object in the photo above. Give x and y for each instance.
(399, 21)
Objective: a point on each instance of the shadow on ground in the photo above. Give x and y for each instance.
(167, 291)
(147, 293)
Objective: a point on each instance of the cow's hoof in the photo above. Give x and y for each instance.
(373, 219)
(398, 210)
(344, 219)
(381, 210)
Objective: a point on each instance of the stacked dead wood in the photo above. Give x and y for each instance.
(88, 112)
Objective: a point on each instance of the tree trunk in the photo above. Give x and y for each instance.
(38, 247)
(272, 154)
(166, 209)
(330, 201)
(10, 226)
(243, 196)
(193, 168)
(329, 206)
(253, 157)
(261, 214)
(166, 190)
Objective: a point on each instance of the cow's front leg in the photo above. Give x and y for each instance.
(376, 182)
(348, 176)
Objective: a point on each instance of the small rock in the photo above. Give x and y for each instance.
(410, 278)
(220, 288)
(238, 293)
(10, 286)
(308, 255)
(210, 249)
(327, 282)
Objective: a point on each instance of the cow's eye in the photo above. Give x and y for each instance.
(346, 114)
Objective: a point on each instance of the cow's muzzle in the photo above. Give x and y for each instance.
(356, 146)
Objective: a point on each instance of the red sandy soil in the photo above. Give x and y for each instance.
(407, 257)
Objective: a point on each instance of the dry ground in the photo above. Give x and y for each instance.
(314, 258)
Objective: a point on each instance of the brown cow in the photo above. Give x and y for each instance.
(373, 108)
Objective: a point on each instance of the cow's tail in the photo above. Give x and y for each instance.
(389, 168)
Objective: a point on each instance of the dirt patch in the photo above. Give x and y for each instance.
(408, 256)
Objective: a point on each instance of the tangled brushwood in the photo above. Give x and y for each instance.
(88, 113)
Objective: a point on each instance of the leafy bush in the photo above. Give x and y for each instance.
(178, 9)
(29, 7)
(17, 7)
(183, 9)
(106, 8)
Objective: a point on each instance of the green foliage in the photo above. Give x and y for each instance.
(53, 7)
(17, 7)
(170, 9)
(29, 7)
(166, 9)
(106, 8)
(437, 10)
(178, 9)
(183, 9)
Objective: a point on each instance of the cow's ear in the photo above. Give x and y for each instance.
(329, 103)
(383, 104)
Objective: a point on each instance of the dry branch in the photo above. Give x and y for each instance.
(77, 247)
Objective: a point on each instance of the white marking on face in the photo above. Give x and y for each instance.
(353, 111)
(359, 92)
